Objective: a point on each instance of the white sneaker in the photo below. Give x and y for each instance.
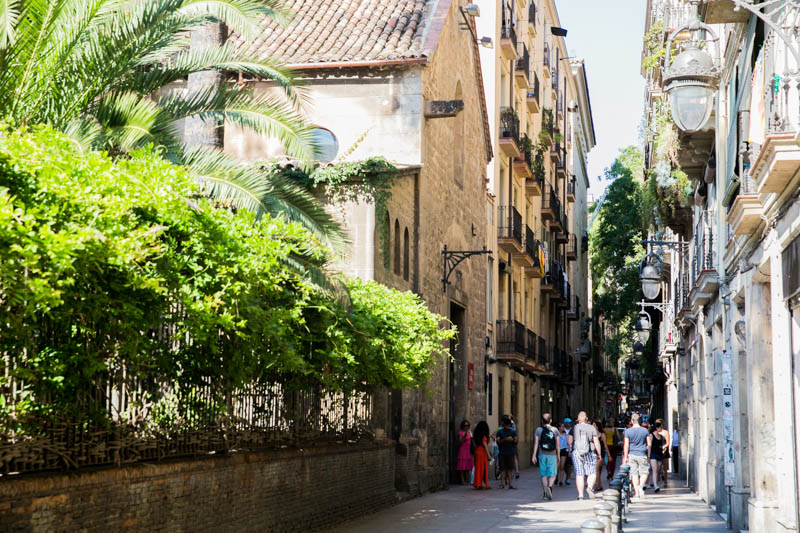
(591, 493)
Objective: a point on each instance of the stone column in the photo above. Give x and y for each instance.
(740, 492)
(782, 390)
(199, 132)
(762, 432)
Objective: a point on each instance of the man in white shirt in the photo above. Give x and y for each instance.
(676, 450)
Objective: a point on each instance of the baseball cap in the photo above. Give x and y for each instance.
(568, 421)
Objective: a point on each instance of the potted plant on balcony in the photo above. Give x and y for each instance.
(508, 118)
(526, 149)
(547, 127)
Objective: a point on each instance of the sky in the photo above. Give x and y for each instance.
(608, 34)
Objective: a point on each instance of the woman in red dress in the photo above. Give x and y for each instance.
(480, 437)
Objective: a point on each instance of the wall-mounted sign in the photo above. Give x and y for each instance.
(470, 375)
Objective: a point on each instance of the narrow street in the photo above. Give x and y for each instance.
(673, 510)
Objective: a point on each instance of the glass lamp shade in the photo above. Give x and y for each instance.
(651, 281)
(691, 106)
(643, 327)
(638, 351)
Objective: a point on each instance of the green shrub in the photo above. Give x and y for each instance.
(111, 266)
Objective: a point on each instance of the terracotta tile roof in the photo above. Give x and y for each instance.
(345, 31)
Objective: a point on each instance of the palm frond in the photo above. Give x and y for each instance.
(9, 16)
(84, 133)
(242, 16)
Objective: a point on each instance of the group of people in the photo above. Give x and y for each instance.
(583, 448)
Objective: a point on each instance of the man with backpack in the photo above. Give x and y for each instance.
(585, 444)
(545, 454)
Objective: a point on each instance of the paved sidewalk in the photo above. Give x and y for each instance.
(673, 510)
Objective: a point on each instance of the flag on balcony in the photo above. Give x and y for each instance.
(758, 115)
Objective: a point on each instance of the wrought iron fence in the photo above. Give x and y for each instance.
(533, 89)
(531, 345)
(149, 420)
(703, 247)
(510, 336)
(509, 124)
(531, 245)
(544, 353)
(523, 62)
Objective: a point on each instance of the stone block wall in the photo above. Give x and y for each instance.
(278, 491)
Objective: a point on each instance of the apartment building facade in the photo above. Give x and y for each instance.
(729, 344)
(541, 125)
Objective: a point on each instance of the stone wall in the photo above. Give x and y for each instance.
(283, 491)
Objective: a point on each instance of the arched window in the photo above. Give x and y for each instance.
(405, 255)
(397, 247)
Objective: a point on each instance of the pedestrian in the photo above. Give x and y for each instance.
(612, 444)
(568, 465)
(563, 453)
(507, 442)
(601, 456)
(585, 444)
(545, 454)
(480, 446)
(676, 449)
(660, 443)
(635, 452)
(465, 461)
(516, 459)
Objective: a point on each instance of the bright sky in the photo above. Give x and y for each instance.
(608, 34)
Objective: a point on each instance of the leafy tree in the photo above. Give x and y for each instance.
(103, 72)
(616, 249)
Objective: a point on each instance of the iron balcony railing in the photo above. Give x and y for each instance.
(531, 245)
(533, 89)
(550, 201)
(509, 124)
(572, 245)
(507, 30)
(703, 248)
(555, 276)
(510, 337)
(523, 62)
(571, 187)
(526, 150)
(544, 353)
(554, 78)
(531, 348)
(509, 223)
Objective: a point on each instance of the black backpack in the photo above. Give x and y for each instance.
(547, 442)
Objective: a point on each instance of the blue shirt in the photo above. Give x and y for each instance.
(637, 440)
(507, 447)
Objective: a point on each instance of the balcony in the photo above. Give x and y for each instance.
(524, 163)
(555, 149)
(522, 68)
(561, 161)
(533, 249)
(532, 96)
(509, 230)
(744, 214)
(510, 336)
(532, 19)
(544, 356)
(574, 311)
(546, 61)
(554, 282)
(547, 133)
(551, 206)
(571, 190)
(682, 308)
(564, 296)
(572, 247)
(508, 38)
(530, 350)
(776, 163)
(534, 185)
(561, 228)
(705, 280)
(509, 132)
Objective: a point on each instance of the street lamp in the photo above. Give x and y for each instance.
(650, 276)
(638, 349)
(643, 327)
(692, 77)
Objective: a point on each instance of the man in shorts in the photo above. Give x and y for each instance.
(545, 454)
(636, 452)
(507, 442)
(585, 445)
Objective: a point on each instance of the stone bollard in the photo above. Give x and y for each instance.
(616, 486)
(593, 526)
(611, 497)
(602, 512)
(616, 525)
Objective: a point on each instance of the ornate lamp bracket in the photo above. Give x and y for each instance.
(452, 258)
(775, 15)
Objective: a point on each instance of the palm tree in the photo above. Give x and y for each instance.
(104, 72)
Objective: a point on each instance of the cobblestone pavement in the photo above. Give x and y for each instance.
(673, 510)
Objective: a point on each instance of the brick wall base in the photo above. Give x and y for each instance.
(284, 491)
